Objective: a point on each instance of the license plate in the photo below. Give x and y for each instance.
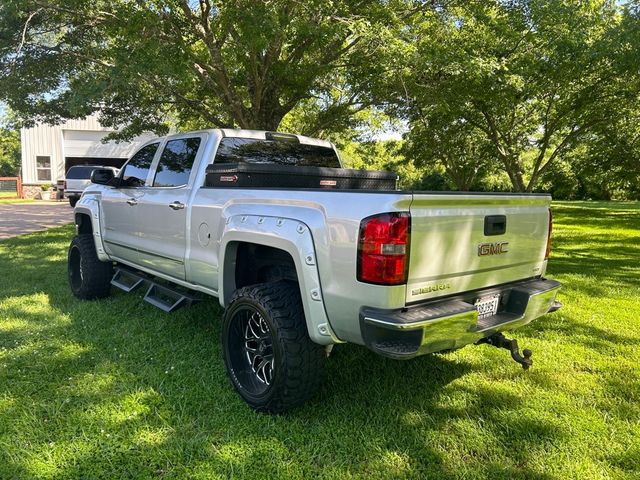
(487, 306)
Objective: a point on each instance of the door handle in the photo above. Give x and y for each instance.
(177, 205)
(132, 201)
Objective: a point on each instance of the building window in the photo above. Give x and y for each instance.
(43, 165)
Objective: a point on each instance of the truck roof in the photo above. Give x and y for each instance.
(257, 134)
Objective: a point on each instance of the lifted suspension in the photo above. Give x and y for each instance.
(500, 341)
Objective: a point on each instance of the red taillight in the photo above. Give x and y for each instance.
(548, 251)
(383, 249)
(64, 185)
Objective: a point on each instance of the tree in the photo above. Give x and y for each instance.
(609, 164)
(241, 63)
(528, 76)
(456, 146)
(9, 147)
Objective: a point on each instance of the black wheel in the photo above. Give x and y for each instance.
(89, 278)
(73, 201)
(270, 359)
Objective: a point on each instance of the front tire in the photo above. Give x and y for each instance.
(270, 359)
(89, 278)
(73, 201)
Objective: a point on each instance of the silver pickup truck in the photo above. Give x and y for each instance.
(299, 270)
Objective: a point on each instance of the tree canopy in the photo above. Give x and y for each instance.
(490, 91)
(234, 63)
(500, 80)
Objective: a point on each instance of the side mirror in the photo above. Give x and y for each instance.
(102, 176)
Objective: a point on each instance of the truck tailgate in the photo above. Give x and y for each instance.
(77, 184)
(466, 242)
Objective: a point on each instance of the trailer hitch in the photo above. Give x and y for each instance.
(500, 341)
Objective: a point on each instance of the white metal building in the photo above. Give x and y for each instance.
(49, 151)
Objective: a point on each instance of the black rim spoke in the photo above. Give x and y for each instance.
(254, 363)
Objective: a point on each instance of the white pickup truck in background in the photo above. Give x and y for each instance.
(78, 178)
(259, 220)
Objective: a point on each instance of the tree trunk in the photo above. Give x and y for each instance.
(512, 167)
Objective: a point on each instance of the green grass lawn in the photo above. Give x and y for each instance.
(118, 389)
(4, 201)
(10, 197)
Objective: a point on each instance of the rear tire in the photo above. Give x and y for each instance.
(73, 201)
(270, 359)
(89, 278)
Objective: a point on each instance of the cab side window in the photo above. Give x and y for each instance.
(134, 173)
(176, 162)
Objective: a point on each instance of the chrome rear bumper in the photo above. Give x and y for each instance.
(452, 323)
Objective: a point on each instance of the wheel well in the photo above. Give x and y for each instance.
(83, 223)
(255, 263)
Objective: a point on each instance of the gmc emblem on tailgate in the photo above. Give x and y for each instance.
(497, 248)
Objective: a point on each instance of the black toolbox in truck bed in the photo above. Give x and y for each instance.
(266, 175)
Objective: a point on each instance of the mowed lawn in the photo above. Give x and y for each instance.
(8, 194)
(118, 389)
(11, 197)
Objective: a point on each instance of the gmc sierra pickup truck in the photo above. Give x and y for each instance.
(303, 255)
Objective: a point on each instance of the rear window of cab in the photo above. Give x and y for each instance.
(80, 173)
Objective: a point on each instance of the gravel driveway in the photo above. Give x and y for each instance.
(18, 219)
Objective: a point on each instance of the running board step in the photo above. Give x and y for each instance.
(127, 280)
(162, 296)
(168, 299)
